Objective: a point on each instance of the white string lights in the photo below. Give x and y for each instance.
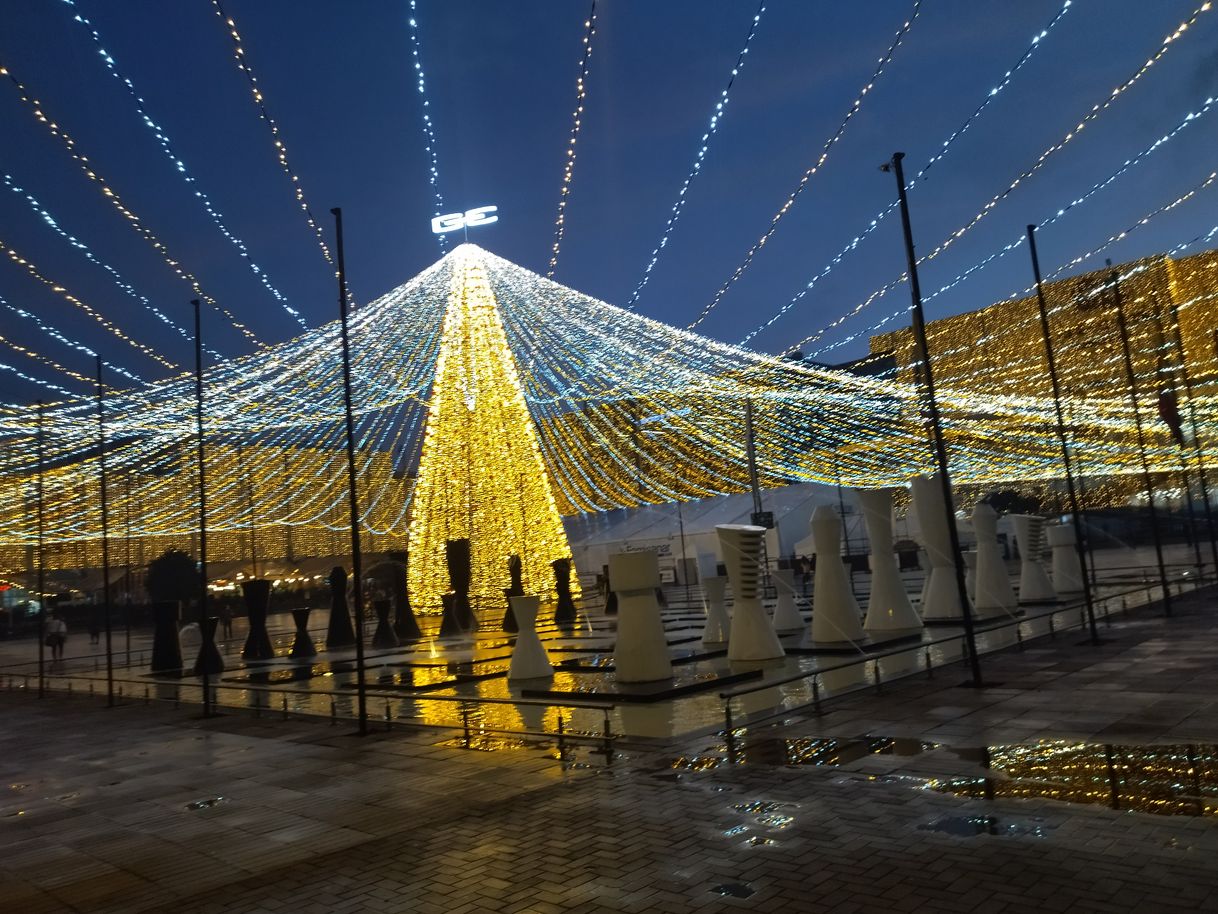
(180, 167)
(56, 130)
(429, 132)
(879, 217)
(1099, 108)
(577, 116)
(281, 150)
(814, 167)
(704, 145)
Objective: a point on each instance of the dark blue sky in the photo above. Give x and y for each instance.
(501, 79)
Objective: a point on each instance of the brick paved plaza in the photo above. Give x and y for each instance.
(144, 808)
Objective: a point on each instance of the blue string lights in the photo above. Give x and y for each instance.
(703, 147)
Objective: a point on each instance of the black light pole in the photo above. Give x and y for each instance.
(1137, 419)
(356, 562)
(205, 653)
(1197, 445)
(105, 525)
(1075, 510)
(919, 328)
(42, 599)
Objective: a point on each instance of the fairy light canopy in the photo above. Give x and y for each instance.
(588, 407)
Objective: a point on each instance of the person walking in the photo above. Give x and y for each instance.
(57, 636)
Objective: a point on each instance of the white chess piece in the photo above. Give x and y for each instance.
(641, 654)
(752, 635)
(718, 624)
(994, 595)
(941, 594)
(1067, 570)
(835, 612)
(888, 608)
(529, 657)
(1034, 583)
(786, 616)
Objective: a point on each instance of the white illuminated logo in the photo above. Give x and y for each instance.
(471, 218)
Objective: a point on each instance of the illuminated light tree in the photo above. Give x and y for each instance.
(481, 475)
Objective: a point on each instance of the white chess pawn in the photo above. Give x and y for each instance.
(786, 616)
(529, 657)
(888, 607)
(718, 624)
(752, 635)
(835, 612)
(641, 654)
(1067, 570)
(1034, 583)
(994, 595)
(941, 594)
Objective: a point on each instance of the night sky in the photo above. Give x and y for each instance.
(501, 77)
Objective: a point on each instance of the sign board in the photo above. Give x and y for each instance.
(763, 519)
(471, 218)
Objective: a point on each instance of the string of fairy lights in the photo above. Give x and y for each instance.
(704, 145)
(1168, 42)
(812, 169)
(179, 166)
(241, 58)
(56, 129)
(987, 99)
(577, 119)
(429, 131)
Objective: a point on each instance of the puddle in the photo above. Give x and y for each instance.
(734, 889)
(206, 804)
(484, 743)
(759, 841)
(760, 807)
(775, 821)
(972, 826)
(733, 832)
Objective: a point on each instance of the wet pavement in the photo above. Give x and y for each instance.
(1083, 779)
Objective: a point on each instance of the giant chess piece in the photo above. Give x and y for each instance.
(303, 646)
(941, 594)
(752, 635)
(450, 625)
(641, 653)
(1034, 583)
(718, 624)
(786, 616)
(339, 633)
(209, 658)
(257, 594)
(515, 572)
(460, 561)
(994, 595)
(564, 611)
(405, 625)
(166, 642)
(888, 608)
(384, 636)
(529, 657)
(835, 613)
(1068, 575)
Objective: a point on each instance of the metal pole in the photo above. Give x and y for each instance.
(919, 328)
(105, 538)
(1197, 445)
(42, 600)
(127, 607)
(684, 560)
(356, 563)
(1075, 510)
(205, 653)
(1137, 419)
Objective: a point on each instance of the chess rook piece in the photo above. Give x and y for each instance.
(257, 594)
(835, 612)
(303, 646)
(641, 652)
(994, 596)
(529, 658)
(752, 634)
(941, 594)
(405, 625)
(339, 633)
(1034, 583)
(888, 607)
(718, 623)
(384, 635)
(459, 558)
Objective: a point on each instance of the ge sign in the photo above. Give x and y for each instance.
(479, 215)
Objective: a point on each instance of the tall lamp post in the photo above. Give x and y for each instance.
(1123, 329)
(105, 525)
(42, 600)
(356, 560)
(205, 653)
(1075, 511)
(919, 328)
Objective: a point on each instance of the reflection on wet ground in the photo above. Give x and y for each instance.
(1162, 780)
